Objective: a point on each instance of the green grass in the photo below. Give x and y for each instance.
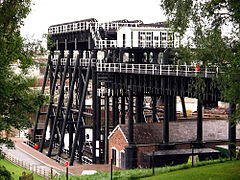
(227, 170)
(212, 169)
(17, 171)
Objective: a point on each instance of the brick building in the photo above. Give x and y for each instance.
(148, 137)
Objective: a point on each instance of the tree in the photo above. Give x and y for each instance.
(213, 31)
(17, 99)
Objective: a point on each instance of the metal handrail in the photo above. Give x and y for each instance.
(157, 69)
(154, 69)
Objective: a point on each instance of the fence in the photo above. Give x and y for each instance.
(40, 171)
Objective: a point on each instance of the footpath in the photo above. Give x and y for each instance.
(43, 160)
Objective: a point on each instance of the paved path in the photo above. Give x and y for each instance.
(42, 159)
(21, 155)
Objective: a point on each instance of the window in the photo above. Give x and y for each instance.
(124, 40)
(164, 38)
(114, 156)
(123, 160)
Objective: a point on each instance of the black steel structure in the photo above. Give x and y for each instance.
(117, 82)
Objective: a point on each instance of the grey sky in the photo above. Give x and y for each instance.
(48, 12)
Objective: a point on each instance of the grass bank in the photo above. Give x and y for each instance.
(17, 171)
(220, 171)
(221, 165)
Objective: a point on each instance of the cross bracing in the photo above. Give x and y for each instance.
(89, 96)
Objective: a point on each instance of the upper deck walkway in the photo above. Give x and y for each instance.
(148, 69)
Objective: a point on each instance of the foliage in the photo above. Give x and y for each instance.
(212, 28)
(16, 171)
(4, 174)
(16, 97)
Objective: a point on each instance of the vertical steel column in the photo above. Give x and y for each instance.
(175, 108)
(154, 109)
(70, 119)
(130, 117)
(199, 121)
(172, 108)
(123, 107)
(148, 57)
(59, 106)
(232, 132)
(81, 133)
(130, 149)
(69, 105)
(79, 120)
(138, 109)
(113, 108)
(155, 57)
(94, 106)
(71, 131)
(116, 113)
(42, 91)
(166, 121)
(106, 117)
(183, 107)
(142, 107)
(50, 103)
(98, 123)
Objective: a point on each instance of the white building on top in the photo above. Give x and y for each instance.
(147, 37)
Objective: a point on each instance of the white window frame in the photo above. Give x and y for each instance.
(122, 151)
(117, 156)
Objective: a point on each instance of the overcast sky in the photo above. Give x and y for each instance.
(49, 12)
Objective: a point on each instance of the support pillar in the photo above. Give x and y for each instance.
(81, 133)
(166, 145)
(98, 125)
(155, 57)
(183, 107)
(154, 109)
(199, 121)
(115, 98)
(130, 149)
(70, 130)
(232, 133)
(123, 107)
(148, 57)
(166, 121)
(94, 106)
(172, 108)
(115, 112)
(121, 52)
(139, 109)
(106, 133)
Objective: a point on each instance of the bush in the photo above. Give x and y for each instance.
(4, 174)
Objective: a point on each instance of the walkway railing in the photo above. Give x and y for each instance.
(153, 69)
(85, 25)
(157, 69)
(43, 172)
